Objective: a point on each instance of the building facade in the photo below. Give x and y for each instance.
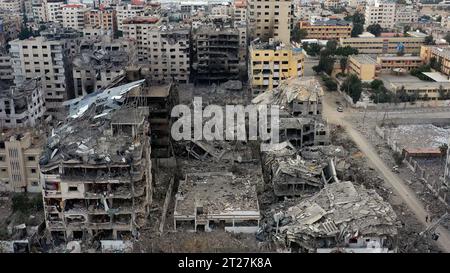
(384, 45)
(73, 16)
(162, 49)
(19, 162)
(270, 63)
(327, 30)
(270, 19)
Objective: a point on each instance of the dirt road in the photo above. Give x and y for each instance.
(398, 185)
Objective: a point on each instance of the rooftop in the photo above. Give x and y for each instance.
(364, 59)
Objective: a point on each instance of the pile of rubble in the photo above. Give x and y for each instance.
(340, 215)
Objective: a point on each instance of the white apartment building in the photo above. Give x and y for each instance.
(13, 6)
(240, 11)
(270, 19)
(6, 71)
(73, 16)
(379, 12)
(162, 49)
(405, 15)
(223, 12)
(43, 58)
(127, 11)
(21, 106)
(48, 11)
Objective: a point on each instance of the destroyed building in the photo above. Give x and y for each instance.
(342, 217)
(216, 53)
(96, 169)
(216, 201)
(94, 70)
(300, 104)
(21, 106)
(162, 48)
(159, 99)
(293, 172)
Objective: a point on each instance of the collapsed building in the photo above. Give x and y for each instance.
(94, 70)
(219, 187)
(342, 217)
(293, 172)
(96, 169)
(300, 104)
(216, 201)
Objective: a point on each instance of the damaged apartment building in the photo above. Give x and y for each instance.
(159, 99)
(96, 169)
(21, 106)
(216, 53)
(300, 103)
(162, 48)
(341, 217)
(218, 190)
(99, 62)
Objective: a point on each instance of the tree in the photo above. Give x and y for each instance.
(406, 29)
(443, 148)
(312, 49)
(299, 34)
(375, 29)
(346, 51)
(357, 29)
(343, 63)
(358, 18)
(353, 87)
(429, 40)
(331, 46)
(376, 84)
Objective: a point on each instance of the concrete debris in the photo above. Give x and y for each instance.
(222, 200)
(340, 215)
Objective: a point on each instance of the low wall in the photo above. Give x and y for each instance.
(439, 189)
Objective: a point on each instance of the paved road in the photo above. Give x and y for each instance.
(399, 186)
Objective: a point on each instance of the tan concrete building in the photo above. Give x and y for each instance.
(21, 106)
(19, 161)
(162, 49)
(327, 30)
(124, 12)
(6, 71)
(388, 63)
(270, 19)
(73, 16)
(102, 18)
(380, 12)
(364, 66)
(384, 45)
(441, 54)
(45, 59)
(270, 63)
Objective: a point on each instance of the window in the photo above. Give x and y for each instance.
(31, 158)
(73, 188)
(34, 183)
(33, 170)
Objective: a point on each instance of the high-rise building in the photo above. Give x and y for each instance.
(124, 12)
(19, 161)
(272, 62)
(98, 182)
(73, 16)
(104, 18)
(270, 19)
(47, 59)
(380, 12)
(162, 49)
